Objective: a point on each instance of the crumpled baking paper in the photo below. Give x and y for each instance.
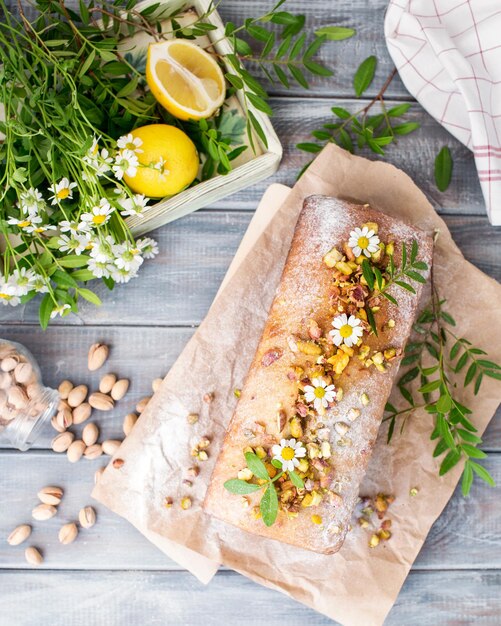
(356, 585)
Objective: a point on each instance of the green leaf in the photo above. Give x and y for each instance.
(478, 383)
(447, 318)
(364, 75)
(467, 436)
(379, 277)
(416, 276)
(429, 387)
(400, 109)
(296, 480)
(276, 463)
(488, 364)
(371, 320)
(472, 451)
(258, 128)
(46, 308)
(87, 63)
(235, 485)
(443, 168)
(449, 462)
(298, 76)
(389, 407)
(406, 394)
(74, 260)
(440, 448)
(461, 362)
(89, 295)
(368, 274)
(257, 32)
(391, 429)
(496, 375)
(82, 275)
(404, 255)
(405, 286)
(309, 147)
(335, 33)
(444, 404)
(409, 376)
(467, 480)
(454, 350)
(341, 113)
(269, 505)
(389, 297)
(470, 374)
(406, 128)
(445, 431)
(256, 466)
(482, 473)
(259, 103)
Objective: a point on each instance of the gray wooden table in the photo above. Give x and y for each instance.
(112, 575)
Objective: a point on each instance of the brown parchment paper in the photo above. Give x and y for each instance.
(357, 585)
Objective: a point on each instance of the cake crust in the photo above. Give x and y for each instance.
(305, 294)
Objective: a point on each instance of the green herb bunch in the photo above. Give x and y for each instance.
(438, 358)
(268, 504)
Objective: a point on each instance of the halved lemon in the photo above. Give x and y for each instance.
(185, 79)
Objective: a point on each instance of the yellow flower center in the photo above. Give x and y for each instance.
(24, 224)
(346, 331)
(94, 150)
(363, 243)
(5, 296)
(39, 230)
(130, 146)
(319, 392)
(98, 219)
(62, 194)
(288, 453)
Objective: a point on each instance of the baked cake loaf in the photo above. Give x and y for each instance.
(314, 397)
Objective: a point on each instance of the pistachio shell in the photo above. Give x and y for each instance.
(33, 556)
(93, 452)
(77, 395)
(16, 397)
(64, 389)
(9, 363)
(56, 426)
(62, 442)
(43, 512)
(64, 419)
(98, 353)
(110, 446)
(82, 413)
(19, 534)
(120, 389)
(87, 517)
(101, 401)
(155, 385)
(129, 422)
(106, 383)
(90, 434)
(141, 405)
(75, 451)
(68, 533)
(97, 474)
(50, 495)
(23, 372)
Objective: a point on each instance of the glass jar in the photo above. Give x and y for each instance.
(25, 404)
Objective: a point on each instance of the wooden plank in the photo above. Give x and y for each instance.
(114, 544)
(140, 354)
(131, 598)
(178, 286)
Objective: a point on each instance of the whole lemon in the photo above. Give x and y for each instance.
(167, 164)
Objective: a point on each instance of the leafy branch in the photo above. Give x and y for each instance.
(268, 504)
(454, 432)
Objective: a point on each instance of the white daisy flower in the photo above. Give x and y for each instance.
(160, 167)
(63, 190)
(363, 241)
(8, 293)
(39, 284)
(31, 201)
(41, 228)
(75, 244)
(121, 275)
(22, 280)
(60, 310)
(98, 215)
(100, 162)
(100, 269)
(25, 222)
(148, 247)
(102, 249)
(319, 393)
(346, 330)
(126, 162)
(74, 227)
(127, 257)
(129, 142)
(134, 205)
(288, 453)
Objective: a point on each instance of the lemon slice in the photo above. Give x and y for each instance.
(186, 80)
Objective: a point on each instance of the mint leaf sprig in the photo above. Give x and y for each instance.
(454, 431)
(268, 505)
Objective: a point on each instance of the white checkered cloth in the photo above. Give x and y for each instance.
(448, 54)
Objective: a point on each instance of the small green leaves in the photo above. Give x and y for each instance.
(242, 487)
(269, 505)
(364, 75)
(296, 480)
(335, 33)
(443, 168)
(256, 466)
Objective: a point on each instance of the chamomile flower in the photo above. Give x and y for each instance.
(31, 202)
(22, 280)
(8, 293)
(60, 310)
(126, 162)
(63, 190)
(39, 283)
(148, 247)
(346, 330)
(25, 221)
(102, 249)
(100, 269)
(129, 142)
(363, 241)
(121, 275)
(39, 228)
(319, 393)
(160, 167)
(74, 227)
(75, 244)
(288, 453)
(133, 206)
(127, 257)
(99, 214)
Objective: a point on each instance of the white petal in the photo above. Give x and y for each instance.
(300, 452)
(283, 443)
(370, 234)
(336, 337)
(317, 404)
(316, 382)
(309, 389)
(357, 251)
(291, 443)
(329, 389)
(276, 449)
(295, 462)
(309, 397)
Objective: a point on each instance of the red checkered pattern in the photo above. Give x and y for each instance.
(448, 54)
